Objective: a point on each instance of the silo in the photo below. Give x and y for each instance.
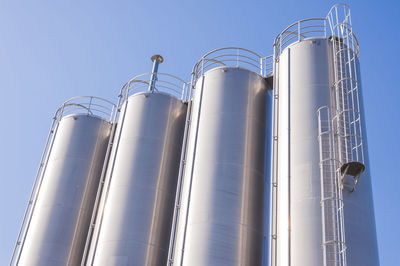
(221, 219)
(323, 212)
(135, 215)
(58, 215)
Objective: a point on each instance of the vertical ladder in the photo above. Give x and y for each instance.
(275, 163)
(345, 98)
(103, 186)
(35, 190)
(333, 234)
(182, 166)
(339, 136)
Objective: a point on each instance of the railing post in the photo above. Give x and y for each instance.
(298, 31)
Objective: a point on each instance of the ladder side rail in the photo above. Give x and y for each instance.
(333, 202)
(348, 145)
(354, 109)
(353, 67)
(357, 96)
(275, 150)
(349, 88)
(193, 160)
(342, 240)
(195, 79)
(324, 248)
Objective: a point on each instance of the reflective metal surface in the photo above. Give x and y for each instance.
(226, 171)
(61, 217)
(134, 227)
(305, 78)
(359, 217)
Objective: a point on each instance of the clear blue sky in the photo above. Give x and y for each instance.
(53, 50)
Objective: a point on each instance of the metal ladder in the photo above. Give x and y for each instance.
(35, 192)
(104, 184)
(339, 136)
(182, 166)
(333, 231)
(346, 119)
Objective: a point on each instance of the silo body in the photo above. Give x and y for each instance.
(305, 82)
(60, 220)
(225, 172)
(143, 171)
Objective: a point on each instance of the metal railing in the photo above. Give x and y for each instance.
(90, 105)
(233, 56)
(336, 24)
(165, 83)
(298, 31)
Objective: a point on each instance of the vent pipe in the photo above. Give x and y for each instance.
(157, 59)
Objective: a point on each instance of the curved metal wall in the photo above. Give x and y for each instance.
(305, 79)
(137, 217)
(60, 220)
(226, 171)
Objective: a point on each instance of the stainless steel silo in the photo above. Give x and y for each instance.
(58, 215)
(135, 214)
(318, 204)
(225, 179)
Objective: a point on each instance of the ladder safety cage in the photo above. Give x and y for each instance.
(89, 105)
(333, 233)
(347, 124)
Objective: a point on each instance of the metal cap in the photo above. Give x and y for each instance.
(157, 57)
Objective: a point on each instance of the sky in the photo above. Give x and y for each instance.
(53, 50)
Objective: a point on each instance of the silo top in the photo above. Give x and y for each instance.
(86, 105)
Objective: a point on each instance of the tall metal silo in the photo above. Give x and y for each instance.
(57, 218)
(135, 212)
(322, 199)
(220, 214)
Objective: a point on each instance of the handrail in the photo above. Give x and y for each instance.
(336, 24)
(233, 56)
(166, 83)
(90, 105)
(297, 32)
